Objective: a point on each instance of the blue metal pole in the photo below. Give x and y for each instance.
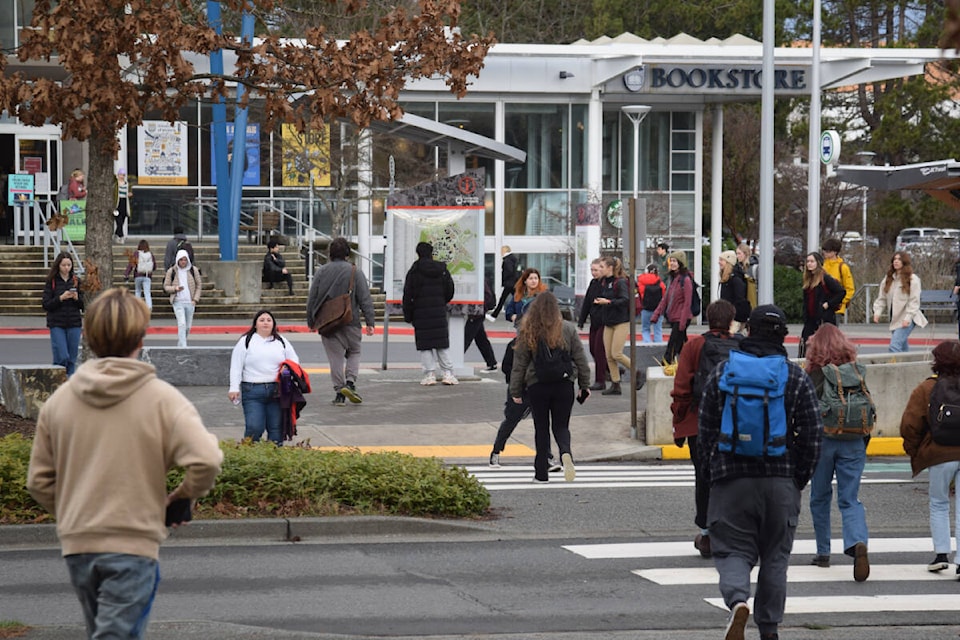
(226, 228)
(239, 150)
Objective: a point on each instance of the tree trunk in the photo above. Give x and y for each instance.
(100, 221)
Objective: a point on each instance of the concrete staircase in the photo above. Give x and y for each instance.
(22, 279)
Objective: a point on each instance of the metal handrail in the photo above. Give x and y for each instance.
(866, 290)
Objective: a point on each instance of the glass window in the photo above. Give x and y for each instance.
(540, 130)
(654, 150)
(545, 213)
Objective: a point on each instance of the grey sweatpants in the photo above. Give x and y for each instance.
(343, 355)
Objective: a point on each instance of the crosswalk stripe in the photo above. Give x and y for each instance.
(800, 573)
(610, 551)
(862, 604)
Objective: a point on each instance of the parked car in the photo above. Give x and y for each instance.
(918, 239)
(788, 251)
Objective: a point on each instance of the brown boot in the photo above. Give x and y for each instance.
(613, 390)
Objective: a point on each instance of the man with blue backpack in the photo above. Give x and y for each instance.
(759, 432)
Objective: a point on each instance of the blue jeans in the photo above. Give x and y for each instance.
(141, 285)
(940, 477)
(65, 344)
(898, 339)
(846, 459)
(184, 313)
(261, 410)
(646, 324)
(116, 592)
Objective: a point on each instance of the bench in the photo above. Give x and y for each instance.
(938, 301)
(264, 223)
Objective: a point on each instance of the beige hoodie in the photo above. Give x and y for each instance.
(104, 443)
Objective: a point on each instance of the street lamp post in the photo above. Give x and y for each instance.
(866, 159)
(636, 113)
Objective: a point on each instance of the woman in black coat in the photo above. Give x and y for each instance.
(822, 295)
(427, 289)
(595, 313)
(733, 289)
(63, 302)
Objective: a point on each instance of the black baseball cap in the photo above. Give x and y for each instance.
(767, 315)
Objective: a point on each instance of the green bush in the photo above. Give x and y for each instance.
(788, 292)
(262, 480)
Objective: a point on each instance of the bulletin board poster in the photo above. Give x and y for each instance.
(304, 155)
(162, 152)
(76, 212)
(19, 189)
(251, 154)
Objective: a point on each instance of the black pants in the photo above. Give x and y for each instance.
(678, 338)
(279, 277)
(598, 352)
(701, 490)
(121, 217)
(551, 404)
(473, 331)
(506, 293)
(513, 413)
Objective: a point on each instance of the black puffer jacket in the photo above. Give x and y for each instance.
(509, 271)
(427, 289)
(62, 313)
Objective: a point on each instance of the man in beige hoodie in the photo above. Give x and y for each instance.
(105, 441)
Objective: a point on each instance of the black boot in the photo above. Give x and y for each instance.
(613, 390)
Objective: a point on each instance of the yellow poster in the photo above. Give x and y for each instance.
(304, 155)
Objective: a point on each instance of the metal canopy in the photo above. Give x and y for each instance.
(433, 133)
(940, 179)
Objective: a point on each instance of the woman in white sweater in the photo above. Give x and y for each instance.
(254, 368)
(900, 295)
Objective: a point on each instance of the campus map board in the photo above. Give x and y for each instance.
(449, 214)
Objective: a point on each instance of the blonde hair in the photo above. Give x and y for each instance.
(115, 323)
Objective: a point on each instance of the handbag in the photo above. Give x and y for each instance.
(336, 312)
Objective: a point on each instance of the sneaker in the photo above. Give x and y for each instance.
(539, 481)
(737, 622)
(449, 378)
(494, 460)
(939, 563)
(492, 367)
(569, 471)
(821, 561)
(428, 379)
(769, 636)
(553, 465)
(702, 544)
(350, 392)
(598, 386)
(490, 318)
(861, 564)
(339, 400)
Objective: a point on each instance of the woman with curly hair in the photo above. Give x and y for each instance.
(822, 296)
(528, 286)
(542, 332)
(842, 456)
(900, 295)
(943, 461)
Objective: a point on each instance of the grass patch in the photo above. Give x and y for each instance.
(262, 480)
(11, 629)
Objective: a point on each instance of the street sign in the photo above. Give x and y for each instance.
(830, 147)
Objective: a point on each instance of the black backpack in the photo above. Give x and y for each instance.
(552, 365)
(652, 295)
(944, 411)
(715, 350)
(695, 304)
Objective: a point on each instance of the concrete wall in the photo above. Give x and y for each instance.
(240, 281)
(890, 377)
(191, 366)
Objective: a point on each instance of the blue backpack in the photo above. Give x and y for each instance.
(754, 421)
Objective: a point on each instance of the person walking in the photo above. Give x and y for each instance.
(548, 360)
(77, 187)
(900, 295)
(509, 274)
(254, 367)
(475, 333)
(675, 306)
(749, 265)
(840, 270)
(650, 290)
(527, 287)
(142, 267)
(595, 313)
(613, 301)
(733, 288)
(427, 288)
(842, 456)
(63, 302)
(822, 295)
(176, 243)
(755, 501)
(697, 360)
(182, 282)
(343, 345)
(942, 461)
(663, 261)
(122, 197)
(275, 267)
(104, 443)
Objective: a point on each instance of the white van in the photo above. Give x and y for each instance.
(913, 238)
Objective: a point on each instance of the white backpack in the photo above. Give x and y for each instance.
(144, 262)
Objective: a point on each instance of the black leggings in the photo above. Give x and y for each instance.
(678, 338)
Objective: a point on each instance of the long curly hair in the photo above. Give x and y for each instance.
(520, 289)
(829, 346)
(542, 321)
(906, 272)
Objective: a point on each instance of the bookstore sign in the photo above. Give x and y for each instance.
(700, 79)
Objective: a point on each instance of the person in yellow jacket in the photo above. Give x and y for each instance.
(840, 270)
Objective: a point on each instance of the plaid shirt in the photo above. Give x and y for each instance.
(803, 449)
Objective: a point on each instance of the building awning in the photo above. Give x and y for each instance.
(430, 132)
(940, 179)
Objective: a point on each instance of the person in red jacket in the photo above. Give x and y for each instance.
(675, 306)
(650, 290)
(686, 403)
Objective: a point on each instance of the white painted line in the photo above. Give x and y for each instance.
(862, 604)
(685, 548)
(802, 573)
(577, 484)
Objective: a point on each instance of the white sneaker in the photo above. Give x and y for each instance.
(490, 318)
(428, 379)
(449, 378)
(569, 472)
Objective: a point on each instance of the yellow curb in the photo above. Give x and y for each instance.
(877, 447)
(441, 451)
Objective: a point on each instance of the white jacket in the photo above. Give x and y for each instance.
(902, 306)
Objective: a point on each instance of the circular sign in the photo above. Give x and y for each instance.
(615, 213)
(830, 147)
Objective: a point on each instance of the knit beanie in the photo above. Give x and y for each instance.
(730, 257)
(679, 256)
